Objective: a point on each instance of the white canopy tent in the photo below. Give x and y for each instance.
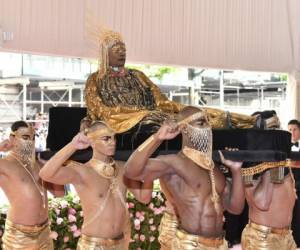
(261, 35)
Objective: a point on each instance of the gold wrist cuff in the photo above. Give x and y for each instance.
(145, 143)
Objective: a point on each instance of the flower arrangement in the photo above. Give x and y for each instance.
(145, 220)
(66, 219)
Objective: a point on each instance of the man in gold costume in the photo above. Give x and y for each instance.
(27, 224)
(270, 213)
(124, 97)
(101, 186)
(199, 191)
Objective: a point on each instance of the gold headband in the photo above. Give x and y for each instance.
(193, 117)
(100, 133)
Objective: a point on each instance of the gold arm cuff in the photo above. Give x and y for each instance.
(146, 143)
(222, 158)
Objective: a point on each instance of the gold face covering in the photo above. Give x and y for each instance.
(200, 137)
(25, 143)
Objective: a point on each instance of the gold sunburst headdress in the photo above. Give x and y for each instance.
(103, 38)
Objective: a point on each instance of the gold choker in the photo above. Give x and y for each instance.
(106, 170)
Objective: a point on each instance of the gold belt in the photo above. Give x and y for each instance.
(102, 241)
(207, 241)
(266, 229)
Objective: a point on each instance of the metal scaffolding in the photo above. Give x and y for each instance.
(18, 97)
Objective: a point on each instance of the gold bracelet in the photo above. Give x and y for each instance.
(145, 143)
(222, 158)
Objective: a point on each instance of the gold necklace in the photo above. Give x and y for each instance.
(106, 170)
(41, 190)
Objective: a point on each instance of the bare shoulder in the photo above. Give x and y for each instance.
(120, 165)
(6, 165)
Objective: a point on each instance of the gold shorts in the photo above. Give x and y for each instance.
(167, 230)
(26, 237)
(94, 243)
(185, 241)
(259, 237)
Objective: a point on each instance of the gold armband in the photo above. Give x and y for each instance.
(146, 143)
(222, 158)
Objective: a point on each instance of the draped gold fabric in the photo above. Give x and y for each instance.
(219, 119)
(26, 237)
(185, 241)
(259, 237)
(124, 101)
(92, 243)
(167, 230)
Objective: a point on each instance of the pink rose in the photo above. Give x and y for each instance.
(66, 239)
(138, 214)
(59, 220)
(57, 211)
(152, 228)
(151, 221)
(151, 205)
(76, 199)
(142, 237)
(158, 210)
(81, 213)
(73, 228)
(53, 235)
(77, 233)
(136, 222)
(142, 218)
(130, 205)
(152, 238)
(64, 204)
(71, 218)
(71, 211)
(137, 227)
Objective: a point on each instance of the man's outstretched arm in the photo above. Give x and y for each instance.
(139, 164)
(234, 195)
(55, 172)
(261, 194)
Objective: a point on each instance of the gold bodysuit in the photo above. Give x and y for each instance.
(123, 101)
